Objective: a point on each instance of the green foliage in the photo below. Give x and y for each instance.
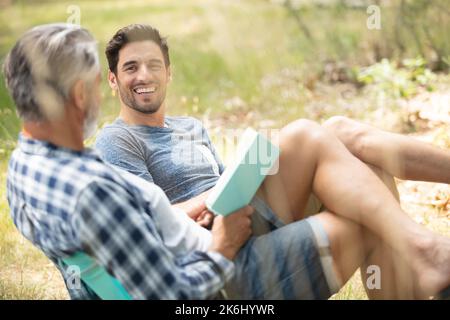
(9, 122)
(336, 30)
(446, 60)
(248, 60)
(424, 25)
(398, 81)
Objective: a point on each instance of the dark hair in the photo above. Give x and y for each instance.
(133, 33)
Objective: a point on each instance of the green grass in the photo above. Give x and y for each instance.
(219, 49)
(25, 272)
(234, 63)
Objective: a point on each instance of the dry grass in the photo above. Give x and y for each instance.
(237, 80)
(25, 273)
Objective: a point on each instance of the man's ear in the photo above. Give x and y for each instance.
(112, 80)
(78, 94)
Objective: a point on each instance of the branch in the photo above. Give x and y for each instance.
(303, 27)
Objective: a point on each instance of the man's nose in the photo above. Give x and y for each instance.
(144, 74)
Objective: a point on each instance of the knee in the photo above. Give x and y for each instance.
(350, 132)
(336, 123)
(303, 132)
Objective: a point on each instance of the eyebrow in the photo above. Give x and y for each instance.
(128, 63)
(131, 62)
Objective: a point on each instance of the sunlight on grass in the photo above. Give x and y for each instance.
(25, 272)
(234, 64)
(352, 290)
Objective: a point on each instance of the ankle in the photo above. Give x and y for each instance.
(420, 244)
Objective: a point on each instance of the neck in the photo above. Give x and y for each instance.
(134, 117)
(62, 132)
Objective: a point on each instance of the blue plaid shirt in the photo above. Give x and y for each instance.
(66, 201)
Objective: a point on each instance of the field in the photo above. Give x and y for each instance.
(238, 64)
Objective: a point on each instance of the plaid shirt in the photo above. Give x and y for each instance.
(66, 201)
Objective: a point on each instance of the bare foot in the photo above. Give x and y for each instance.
(432, 265)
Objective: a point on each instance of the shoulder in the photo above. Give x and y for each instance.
(188, 124)
(115, 136)
(116, 129)
(118, 191)
(85, 172)
(103, 184)
(184, 121)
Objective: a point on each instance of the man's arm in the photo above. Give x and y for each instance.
(195, 207)
(205, 136)
(125, 240)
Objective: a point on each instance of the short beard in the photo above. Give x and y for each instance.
(135, 106)
(90, 121)
(130, 102)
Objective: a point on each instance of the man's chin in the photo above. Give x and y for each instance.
(149, 111)
(146, 109)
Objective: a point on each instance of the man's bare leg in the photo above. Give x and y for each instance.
(403, 157)
(396, 277)
(314, 160)
(353, 247)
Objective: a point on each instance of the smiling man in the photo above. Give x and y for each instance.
(363, 224)
(65, 199)
(141, 78)
(141, 95)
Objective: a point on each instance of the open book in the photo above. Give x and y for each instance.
(256, 158)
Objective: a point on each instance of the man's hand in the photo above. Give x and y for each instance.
(205, 219)
(231, 232)
(196, 209)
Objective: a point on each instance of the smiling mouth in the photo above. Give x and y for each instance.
(144, 90)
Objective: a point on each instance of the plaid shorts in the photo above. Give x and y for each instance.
(282, 261)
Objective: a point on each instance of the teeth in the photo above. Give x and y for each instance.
(145, 90)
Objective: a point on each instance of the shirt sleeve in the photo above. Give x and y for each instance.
(119, 235)
(179, 232)
(213, 150)
(121, 149)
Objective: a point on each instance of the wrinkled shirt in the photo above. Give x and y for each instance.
(66, 201)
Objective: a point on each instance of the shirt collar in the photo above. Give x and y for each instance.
(45, 148)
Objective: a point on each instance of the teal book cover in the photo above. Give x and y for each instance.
(256, 158)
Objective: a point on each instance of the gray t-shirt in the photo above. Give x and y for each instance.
(178, 157)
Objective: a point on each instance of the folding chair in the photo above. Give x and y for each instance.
(97, 278)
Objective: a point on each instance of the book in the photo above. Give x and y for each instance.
(256, 158)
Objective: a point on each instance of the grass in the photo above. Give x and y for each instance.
(219, 49)
(234, 64)
(25, 272)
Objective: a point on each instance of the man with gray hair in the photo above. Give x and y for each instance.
(45, 67)
(65, 199)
